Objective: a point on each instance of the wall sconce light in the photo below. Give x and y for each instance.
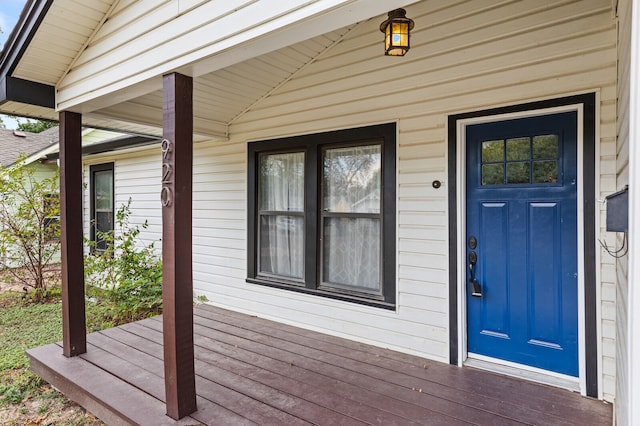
(396, 29)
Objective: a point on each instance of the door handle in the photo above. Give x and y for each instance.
(476, 288)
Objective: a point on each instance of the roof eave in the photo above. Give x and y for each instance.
(15, 89)
(116, 144)
(26, 92)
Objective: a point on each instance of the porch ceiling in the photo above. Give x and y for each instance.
(219, 97)
(49, 50)
(59, 40)
(223, 96)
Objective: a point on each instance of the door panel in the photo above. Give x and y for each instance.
(522, 208)
(492, 236)
(545, 287)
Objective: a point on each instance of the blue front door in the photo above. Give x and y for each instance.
(521, 246)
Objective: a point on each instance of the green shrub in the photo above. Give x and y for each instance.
(126, 278)
(29, 228)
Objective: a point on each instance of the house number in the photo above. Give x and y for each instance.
(166, 194)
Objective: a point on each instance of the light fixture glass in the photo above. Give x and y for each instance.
(397, 31)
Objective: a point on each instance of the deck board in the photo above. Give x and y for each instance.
(254, 371)
(543, 400)
(471, 404)
(265, 381)
(149, 357)
(397, 398)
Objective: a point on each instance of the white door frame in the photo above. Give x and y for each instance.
(527, 372)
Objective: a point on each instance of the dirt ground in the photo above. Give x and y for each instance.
(48, 407)
(47, 411)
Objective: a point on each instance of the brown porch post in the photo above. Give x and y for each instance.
(74, 334)
(177, 285)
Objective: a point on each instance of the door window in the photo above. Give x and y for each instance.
(521, 160)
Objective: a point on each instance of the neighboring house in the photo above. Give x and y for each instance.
(41, 151)
(34, 147)
(448, 203)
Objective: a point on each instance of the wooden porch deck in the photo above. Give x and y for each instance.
(253, 371)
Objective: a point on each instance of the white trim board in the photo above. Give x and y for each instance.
(523, 371)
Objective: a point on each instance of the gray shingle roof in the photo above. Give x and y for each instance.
(14, 142)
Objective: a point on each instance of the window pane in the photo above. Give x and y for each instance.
(103, 182)
(282, 182)
(545, 146)
(351, 252)
(518, 172)
(493, 174)
(282, 245)
(518, 149)
(351, 179)
(545, 171)
(103, 223)
(492, 151)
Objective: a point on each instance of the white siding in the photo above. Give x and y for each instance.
(136, 176)
(465, 56)
(492, 54)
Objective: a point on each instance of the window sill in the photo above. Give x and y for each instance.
(323, 293)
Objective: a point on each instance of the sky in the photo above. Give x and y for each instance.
(9, 14)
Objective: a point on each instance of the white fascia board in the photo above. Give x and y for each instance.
(136, 77)
(633, 311)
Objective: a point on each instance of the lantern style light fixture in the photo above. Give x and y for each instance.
(396, 29)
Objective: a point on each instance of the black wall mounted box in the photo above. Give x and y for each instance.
(618, 211)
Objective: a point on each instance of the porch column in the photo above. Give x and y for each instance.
(177, 280)
(74, 335)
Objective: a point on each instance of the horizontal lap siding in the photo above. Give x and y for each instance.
(136, 176)
(499, 53)
(607, 320)
(219, 216)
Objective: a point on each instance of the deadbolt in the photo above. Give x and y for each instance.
(473, 242)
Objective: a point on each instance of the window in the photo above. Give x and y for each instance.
(523, 160)
(322, 214)
(51, 209)
(101, 186)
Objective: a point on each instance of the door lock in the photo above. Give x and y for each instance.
(476, 288)
(473, 242)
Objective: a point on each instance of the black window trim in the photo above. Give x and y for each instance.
(50, 221)
(312, 144)
(92, 208)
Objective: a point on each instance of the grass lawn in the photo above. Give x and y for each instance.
(122, 286)
(26, 399)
